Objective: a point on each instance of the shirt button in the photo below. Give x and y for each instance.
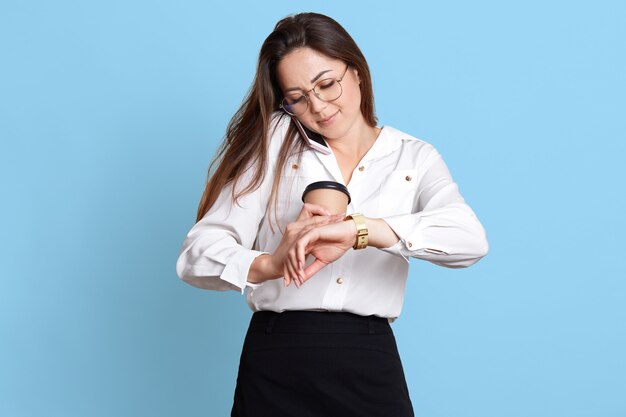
(410, 244)
(362, 168)
(408, 178)
(295, 166)
(339, 280)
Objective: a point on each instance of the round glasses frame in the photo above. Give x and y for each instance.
(284, 105)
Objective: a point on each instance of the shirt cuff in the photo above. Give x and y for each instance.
(237, 269)
(413, 239)
(253, 285)
(396, 249)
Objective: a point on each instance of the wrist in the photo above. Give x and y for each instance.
(362, 233)
(263, 269)
(273, 270)
(381, 235)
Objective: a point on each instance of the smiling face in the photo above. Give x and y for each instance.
(300, 70)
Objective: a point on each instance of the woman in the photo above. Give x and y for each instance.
(319, 341)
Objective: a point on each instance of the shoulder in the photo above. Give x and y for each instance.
(408, 146)
(276, 132)
(279, 123)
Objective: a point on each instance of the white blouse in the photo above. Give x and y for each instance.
(401, 179)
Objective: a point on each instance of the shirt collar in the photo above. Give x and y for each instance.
(388, 140)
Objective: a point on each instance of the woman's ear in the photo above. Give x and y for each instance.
(356, 74)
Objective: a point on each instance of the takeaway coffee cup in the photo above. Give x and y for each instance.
(330, 194)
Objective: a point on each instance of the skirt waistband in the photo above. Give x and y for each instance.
(317, 322)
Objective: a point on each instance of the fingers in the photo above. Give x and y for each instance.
(296, 257)
(310, 270)
(310, 210)
(289, 277)
(297, 254)
(320, 220)
(286, 277)
(313, 269)
(294, 271)
(336, 218)
(303, 234)
(296, 228)
(292, 274)
(300, 254)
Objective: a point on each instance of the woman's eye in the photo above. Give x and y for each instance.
(326, 84)
(295, 100)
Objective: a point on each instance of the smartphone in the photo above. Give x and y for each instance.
(315, 140)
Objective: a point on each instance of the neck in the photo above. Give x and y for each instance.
(356, 142)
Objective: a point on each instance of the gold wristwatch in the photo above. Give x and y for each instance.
(361, 230)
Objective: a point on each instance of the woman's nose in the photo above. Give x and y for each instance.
(316, 104)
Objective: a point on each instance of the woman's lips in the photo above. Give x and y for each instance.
(328, 120)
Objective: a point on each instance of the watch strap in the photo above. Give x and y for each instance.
(362, 233)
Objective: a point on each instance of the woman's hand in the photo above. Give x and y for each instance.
(311, 216)
(326, 243)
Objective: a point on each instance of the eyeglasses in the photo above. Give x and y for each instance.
(328, 89)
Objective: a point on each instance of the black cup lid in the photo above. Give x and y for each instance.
(328, 185)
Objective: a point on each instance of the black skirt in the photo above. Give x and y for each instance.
(320, 364)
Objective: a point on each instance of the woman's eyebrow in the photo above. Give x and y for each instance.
(317, 77)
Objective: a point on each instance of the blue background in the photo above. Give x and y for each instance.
(110, 113)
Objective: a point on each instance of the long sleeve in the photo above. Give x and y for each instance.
(401, 179)
(217, 252)
(443, 229)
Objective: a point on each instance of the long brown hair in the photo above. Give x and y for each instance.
(247, 134)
